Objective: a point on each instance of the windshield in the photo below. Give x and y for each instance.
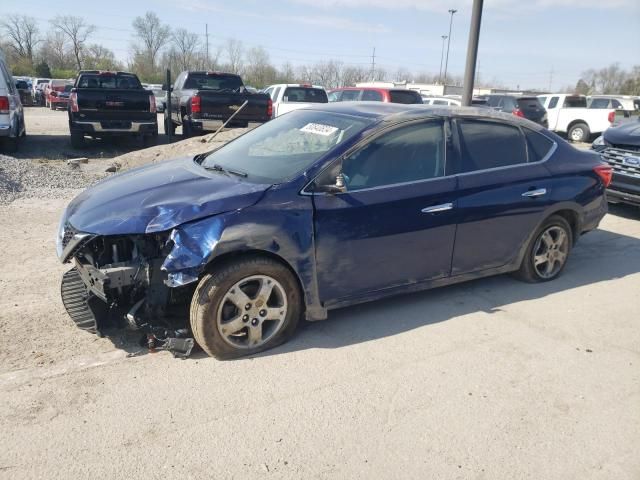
(276, 151)
(213, 81)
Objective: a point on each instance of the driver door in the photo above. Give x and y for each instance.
(395, 223)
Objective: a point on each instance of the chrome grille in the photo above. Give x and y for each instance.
(626, 162)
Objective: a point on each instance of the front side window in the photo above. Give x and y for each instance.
(350, 95)
(407, 154)
(281, 148)
(553, 102)
(486, 145)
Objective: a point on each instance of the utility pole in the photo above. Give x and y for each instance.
(206, 34)
(373, 64)
(472, 52)
(444, 37)
(550, 78)
(446, 62)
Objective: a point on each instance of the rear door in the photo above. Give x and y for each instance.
(394, 225)
(501, 195)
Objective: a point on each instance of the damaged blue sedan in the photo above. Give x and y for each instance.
(322, 208)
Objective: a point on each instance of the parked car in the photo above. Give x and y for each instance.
(111, 104)
(294, 96)
(441, 101)
(161, 97)
(12, 127)
(24, 90)
(617, 102)
(203, 101)
(522, 106)
(63, 96)
(301, 215)
(35, 81)
(373, 94)
(569, 115)
(620, 148)
(51, 91)
(40, 96)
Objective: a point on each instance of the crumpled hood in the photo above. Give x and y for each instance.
(159, 197)
(626, 134)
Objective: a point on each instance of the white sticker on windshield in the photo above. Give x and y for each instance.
(319, 129)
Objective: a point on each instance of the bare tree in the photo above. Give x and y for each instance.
(55, 49)
(259, 72)
(23, 34)
(234, 52)
(153, 36)
(286, 74)
(352, 75)
(77, 31)
(186, 44)
(101, 58)
(328, 74)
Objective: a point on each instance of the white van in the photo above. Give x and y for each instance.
(11, 113)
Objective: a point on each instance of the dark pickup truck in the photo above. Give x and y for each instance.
(202, 101)
(104, 104)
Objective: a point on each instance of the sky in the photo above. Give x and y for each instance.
(523, 43)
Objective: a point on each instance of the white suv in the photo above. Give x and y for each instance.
(11, 113)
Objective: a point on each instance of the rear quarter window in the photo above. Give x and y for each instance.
(538, 146)
(404, 96)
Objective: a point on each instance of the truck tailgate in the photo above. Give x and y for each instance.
(220, 106)
(101, 104)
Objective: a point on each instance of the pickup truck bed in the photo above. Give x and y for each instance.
(111, 104)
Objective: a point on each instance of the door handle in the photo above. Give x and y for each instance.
(535, 193)
(438, 208)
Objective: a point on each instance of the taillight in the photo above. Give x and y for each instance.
(73, 101)
(152, 104)
(605, 172)
(270, 108)
(4, 105)
(612, 116)
(196, 106)
(518, 113)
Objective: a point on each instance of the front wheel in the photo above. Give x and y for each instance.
(245, 307)
(77, 139)
(548, 251)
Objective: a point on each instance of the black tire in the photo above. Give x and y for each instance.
(187, 130)
(77, 140)
(579, 133)
(528, 271)
(169, 126)
(150, 140)
(11, 144)
(212, 290)
(52, 105)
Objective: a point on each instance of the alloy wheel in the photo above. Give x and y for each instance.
(252, 312)
(551, 252)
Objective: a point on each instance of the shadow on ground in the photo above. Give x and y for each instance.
(599, 256)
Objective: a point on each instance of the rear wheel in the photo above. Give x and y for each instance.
(169, 126)
(187, 131)
(77, 140)
(52, 105)
(579, 133)
(245, 307)
(150, 140)
(548, 252)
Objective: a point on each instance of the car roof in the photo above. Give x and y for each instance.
(392, 112)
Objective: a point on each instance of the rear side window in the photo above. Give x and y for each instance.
(575, 102)
(486, 145)
(109, 81)
(538, 146)
(371, 96)
(305, 95)
(554, 102)
(404, 96)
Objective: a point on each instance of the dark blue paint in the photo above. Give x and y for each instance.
(354, 246)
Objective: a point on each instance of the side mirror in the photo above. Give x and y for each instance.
(339, 187)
